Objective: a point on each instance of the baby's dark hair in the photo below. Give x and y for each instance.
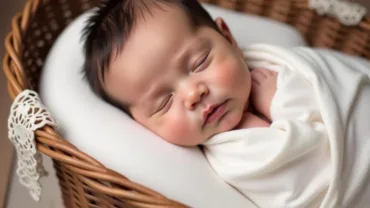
(109, 27)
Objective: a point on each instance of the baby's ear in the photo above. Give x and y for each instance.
(225, 31)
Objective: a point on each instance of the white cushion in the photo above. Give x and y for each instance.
(121, 144)
(249, 29)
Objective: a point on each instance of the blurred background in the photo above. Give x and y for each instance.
(12, 194)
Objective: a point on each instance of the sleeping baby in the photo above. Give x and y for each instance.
(285, 127)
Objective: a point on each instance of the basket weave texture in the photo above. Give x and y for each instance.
(84, 181)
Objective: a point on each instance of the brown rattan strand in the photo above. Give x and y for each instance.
(112, 177)
(56, 143)
(85, 182)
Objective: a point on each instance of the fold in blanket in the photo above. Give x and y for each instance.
(316, 153)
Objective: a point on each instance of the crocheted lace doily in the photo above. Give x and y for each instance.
(26, 115)
(348, 13)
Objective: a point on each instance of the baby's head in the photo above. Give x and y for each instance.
(168, 65)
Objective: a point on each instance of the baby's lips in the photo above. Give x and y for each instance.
(207, 111)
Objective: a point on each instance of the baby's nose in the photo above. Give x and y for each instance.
(194, 95)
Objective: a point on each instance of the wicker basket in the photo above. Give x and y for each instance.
(84, 181)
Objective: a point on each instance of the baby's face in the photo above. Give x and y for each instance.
(185, 85)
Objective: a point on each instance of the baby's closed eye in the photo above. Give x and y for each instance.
(166, 103)
(199, 64)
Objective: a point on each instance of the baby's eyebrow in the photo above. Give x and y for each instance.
(202, 42)
(197, 44)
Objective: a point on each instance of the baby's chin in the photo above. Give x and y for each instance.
(230, 122)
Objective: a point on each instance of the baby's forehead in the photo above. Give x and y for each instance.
(159, 35)
(156, 43)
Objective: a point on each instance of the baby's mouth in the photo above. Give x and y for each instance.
(214, 113)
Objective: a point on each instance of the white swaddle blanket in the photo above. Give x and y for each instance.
(316, 153)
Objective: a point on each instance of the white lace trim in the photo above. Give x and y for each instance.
(348, 13)
(26, 115)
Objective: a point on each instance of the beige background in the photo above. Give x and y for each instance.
(7, 8)
(17, 195)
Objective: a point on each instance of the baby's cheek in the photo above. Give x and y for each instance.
(227, 73)
(176, 131)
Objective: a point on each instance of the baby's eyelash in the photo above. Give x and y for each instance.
(202, 60)
(165, 103)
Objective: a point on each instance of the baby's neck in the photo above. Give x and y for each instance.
(252, 119)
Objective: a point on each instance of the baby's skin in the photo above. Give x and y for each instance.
(263, 90)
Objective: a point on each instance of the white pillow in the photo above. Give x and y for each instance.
(249, 29)
(111, 137)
